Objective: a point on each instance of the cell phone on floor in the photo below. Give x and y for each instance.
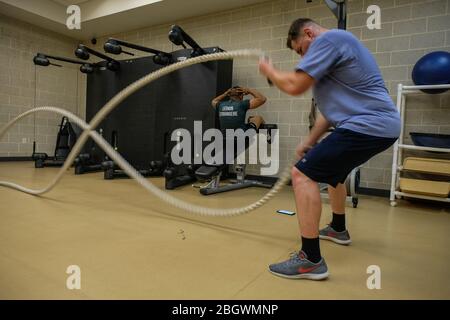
(289, 213)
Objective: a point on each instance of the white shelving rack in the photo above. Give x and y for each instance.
(399, 145)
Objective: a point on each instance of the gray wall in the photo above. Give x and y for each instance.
(19, 42)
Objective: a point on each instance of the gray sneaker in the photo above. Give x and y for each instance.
(299, 267)
(328, 233)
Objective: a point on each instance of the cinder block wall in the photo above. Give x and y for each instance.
(410, 29)
(22, 86)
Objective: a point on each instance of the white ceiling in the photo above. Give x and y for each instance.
(69, 2)
(105, 17)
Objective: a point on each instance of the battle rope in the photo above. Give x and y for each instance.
(89, 131)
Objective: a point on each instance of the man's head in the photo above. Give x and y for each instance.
(236, 93)
(302, 33)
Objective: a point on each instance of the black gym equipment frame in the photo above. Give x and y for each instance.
(91, 158)
(112, 171)
(101, 87)
(142, 123)
(68, 132)
(339, 9)
(114, 46)
(84, 52)
(178, 37)
(42, 59)
(65, 140)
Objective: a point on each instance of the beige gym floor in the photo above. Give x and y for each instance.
(129, 245)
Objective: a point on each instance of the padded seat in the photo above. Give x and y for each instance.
(206, 172)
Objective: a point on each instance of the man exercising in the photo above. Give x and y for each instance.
(232, 108)
(351, 96)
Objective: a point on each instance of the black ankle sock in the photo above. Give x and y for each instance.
(312, 249)
(338, 222)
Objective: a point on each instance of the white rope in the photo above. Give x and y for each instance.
(89, 131)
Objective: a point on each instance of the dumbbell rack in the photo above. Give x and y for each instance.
(399, 146)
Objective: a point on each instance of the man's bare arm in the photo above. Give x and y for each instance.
(258, 98)
(291, 82)
(217, 99)
(321, 126)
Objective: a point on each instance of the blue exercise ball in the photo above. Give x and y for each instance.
(433, 68)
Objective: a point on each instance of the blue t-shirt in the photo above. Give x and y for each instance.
(349, 90)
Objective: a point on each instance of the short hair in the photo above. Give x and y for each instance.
(294, 30)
